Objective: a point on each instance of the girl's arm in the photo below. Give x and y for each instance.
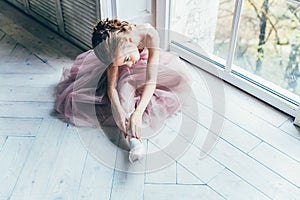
(152, 43)
(117, 110)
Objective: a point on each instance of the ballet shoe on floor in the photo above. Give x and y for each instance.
(137, 151)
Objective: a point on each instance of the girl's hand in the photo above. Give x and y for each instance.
(121, 120)
(136, 124)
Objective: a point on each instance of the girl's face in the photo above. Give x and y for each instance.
(127, 56)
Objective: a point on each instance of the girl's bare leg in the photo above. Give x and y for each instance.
(127, 95)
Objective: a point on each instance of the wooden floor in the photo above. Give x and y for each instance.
(253, 150)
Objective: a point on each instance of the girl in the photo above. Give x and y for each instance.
(125, 81)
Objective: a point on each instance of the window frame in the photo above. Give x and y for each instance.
(251, 85)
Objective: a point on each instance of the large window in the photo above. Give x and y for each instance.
(253, 44)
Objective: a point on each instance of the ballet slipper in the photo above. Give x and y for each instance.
(137, 150)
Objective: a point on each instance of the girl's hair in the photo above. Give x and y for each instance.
(105, 39)
(104, 27)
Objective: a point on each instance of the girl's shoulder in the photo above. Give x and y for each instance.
(144, 26)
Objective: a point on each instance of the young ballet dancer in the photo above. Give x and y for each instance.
(125, 80)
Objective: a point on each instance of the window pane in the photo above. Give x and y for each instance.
(268, 44)
(204, 24)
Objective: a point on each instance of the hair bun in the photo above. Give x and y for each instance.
(104, 27)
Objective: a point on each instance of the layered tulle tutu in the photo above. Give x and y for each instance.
(82, 92)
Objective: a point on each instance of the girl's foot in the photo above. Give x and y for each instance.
(137, 150)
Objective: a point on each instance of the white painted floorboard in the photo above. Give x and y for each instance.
(13, 156)
(2, 141)
(252, 148)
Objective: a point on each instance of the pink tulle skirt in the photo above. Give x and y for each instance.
(82, 97)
